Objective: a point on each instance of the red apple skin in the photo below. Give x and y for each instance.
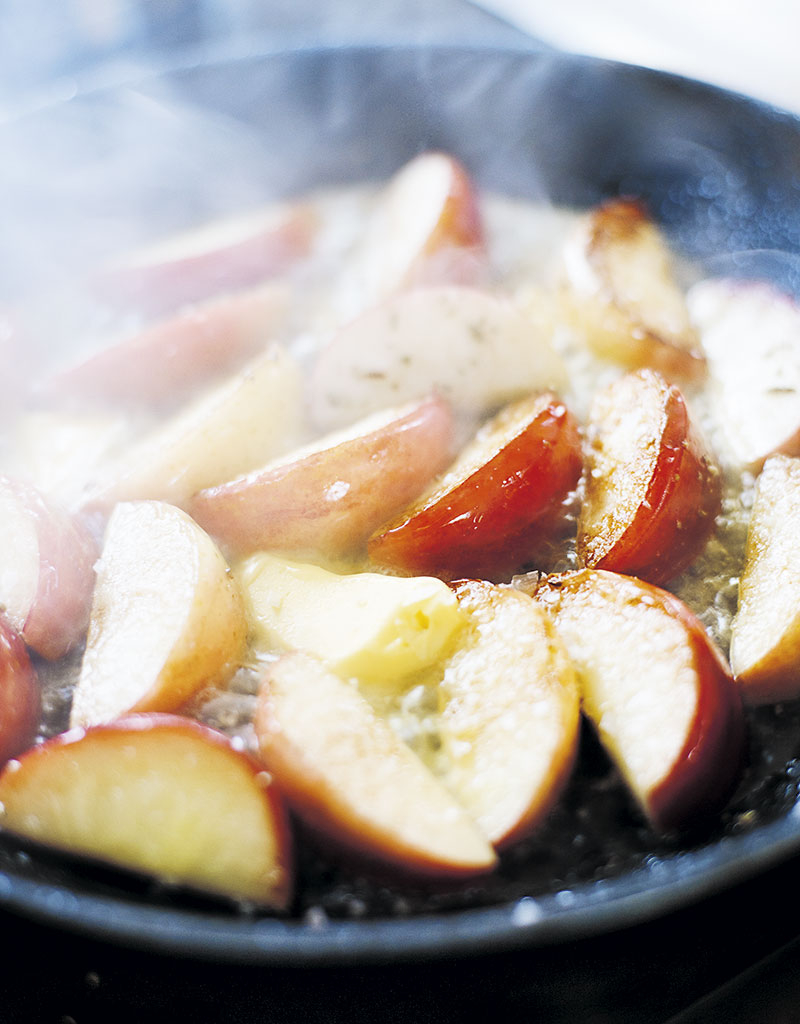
(301, 506)
(20, 694)
(663, 534)
(493, 520)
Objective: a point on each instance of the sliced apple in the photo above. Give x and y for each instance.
(765, 635)
(20, 696)
(476, 350)
(158, 794)
(46, 570)
(327, 498)
(749, 331)
(652, 489)
(624, 295)
(379, 628)
(499, 504)
(227, 431)
(167, 617)
(656, 689)
(343, 769)
(510, 713)
(164, 364)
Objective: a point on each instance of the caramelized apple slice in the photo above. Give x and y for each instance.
(476, 350)
(46, 570)
(749, 331)
(166, 619)
(327, 498)
(765, 636)
(625, 296)
(656, 690)
(652, 489)
(510, 713)
(499, 504)
(344, 770)
(159, 794)
(20, 697)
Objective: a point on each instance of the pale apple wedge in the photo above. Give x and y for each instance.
(474, 349)
(343, 769)
(157, 794)
(765, 635)
(623, 294)
(328, 497)
(750, 333)
(656, 689)
(167, 617)
(229, 430)
(46, 570)
(167, 362)
(20, 695)
(509, 713)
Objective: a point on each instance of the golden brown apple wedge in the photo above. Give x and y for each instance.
(656, 689)
(765, 635)
(166, 618)
(474, 349)
(509, 712)
(20, 696)
(326, 498)
(623, 293)
(343, 769)
(46, 570)
(158, 794)
(652, 490)
(749, 331)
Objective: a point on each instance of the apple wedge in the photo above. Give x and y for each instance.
(656, 689)
(765, 635)
(158, 794)
(327, 498)
(20, 696)
(510, 714)
(167, 362)
(166, 619)
(343, 770)
(623, 294)
(46, 570)
(229, 430)
(652, 489)
(498, 505)
(749, 331)
(474, 349)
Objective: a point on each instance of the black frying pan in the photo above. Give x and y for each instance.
(720, 172)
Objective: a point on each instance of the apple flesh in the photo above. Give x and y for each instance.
(498, 505)
(510, 713)
(474, 349)
(346, 773)
(46, 570)
(20, 696)
(327, 498)
(656, 689)
(157, 794)
(652, 489)
(166, 619)
(623, 294)
(765, 635)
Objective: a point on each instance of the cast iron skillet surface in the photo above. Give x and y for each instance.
(720, 172)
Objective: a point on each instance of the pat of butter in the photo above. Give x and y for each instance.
(377, 628)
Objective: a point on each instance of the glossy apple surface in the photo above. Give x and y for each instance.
(20, 696)
(500, 501)
(653, 490)
(343, 769)
(509, 712)
(765, 635)
(656, 689)
(158, 794)
(328, 497)
(166, 617)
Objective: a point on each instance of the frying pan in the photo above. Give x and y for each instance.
(722, 175)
